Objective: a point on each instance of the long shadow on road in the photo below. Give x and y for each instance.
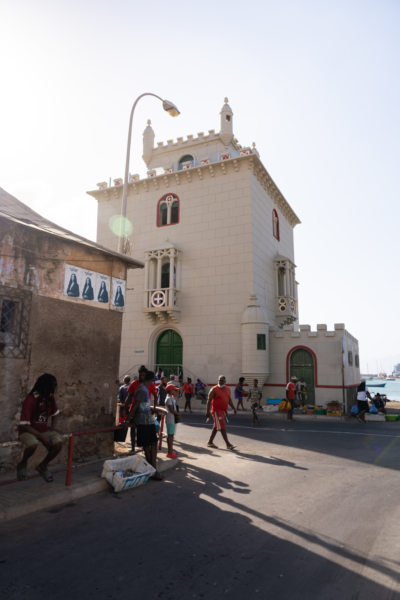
(379, 446)
(192, 536)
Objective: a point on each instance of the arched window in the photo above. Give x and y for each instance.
(275, 225)
(281, 281)
(185, 159)
(168, 210)
(165, 275)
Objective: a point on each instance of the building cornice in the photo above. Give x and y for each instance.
(221, 167)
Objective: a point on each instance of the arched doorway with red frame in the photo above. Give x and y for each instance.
(302, 362)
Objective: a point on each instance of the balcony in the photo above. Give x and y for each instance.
(286, 310)
(162, 305)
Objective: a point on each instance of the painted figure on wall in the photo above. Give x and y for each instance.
(73, 287)
(88, 293)
(119, 297)
(103, 294)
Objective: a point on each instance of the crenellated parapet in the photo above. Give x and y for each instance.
(223, 164)
(305, 332)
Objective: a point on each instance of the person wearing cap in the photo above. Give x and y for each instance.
(219, 399)
(290, 396)
(170, 419)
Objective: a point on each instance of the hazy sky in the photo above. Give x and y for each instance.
(314, 83)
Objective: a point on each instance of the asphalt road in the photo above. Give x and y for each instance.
(299, 511)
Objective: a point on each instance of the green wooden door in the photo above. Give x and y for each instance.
(169, 352)
(302, 365)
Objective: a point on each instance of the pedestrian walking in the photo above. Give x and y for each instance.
(255, 396)
(239, 393)
(219, 399)
(187, 389)
(290, 396)
(38, 407)
(171, 418)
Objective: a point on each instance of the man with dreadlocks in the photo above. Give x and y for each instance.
(38, 407)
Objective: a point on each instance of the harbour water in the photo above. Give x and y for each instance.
(391, 389)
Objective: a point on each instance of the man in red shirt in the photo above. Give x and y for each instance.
(38, 407)
(219, 399)
(290, 396)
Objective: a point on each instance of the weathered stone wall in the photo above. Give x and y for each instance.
(79, 343)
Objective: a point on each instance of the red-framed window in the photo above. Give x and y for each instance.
(168, 210)
(275, 225)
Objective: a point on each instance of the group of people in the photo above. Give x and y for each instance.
(141, 404)
(365, 403)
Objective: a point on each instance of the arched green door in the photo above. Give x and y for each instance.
(169, 352)
(302, 365)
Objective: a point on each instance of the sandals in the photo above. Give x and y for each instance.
(230, 447)
(211, 445)
(22, 474)
(47, 476)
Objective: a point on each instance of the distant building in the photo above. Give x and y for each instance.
(57, 314)
(219, 293)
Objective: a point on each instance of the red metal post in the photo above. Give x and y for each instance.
(69, 462)
(161, 431)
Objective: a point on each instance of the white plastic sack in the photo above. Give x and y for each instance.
(113, 471)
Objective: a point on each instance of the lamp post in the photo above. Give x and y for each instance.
(171, 109)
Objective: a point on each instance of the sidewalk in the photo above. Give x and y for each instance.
(24, 497)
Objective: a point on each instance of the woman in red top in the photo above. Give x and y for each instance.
(219, 399)
(187, 389)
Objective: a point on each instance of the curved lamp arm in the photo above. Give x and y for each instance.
(171, 109)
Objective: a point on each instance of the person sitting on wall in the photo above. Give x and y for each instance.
(379, 403)
(38, 407)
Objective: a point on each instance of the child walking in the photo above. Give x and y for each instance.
(170, 419)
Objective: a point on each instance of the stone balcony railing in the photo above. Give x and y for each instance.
(162, 304)
(286, 310)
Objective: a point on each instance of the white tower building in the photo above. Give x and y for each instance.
(218, 293)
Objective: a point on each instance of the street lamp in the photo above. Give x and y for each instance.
(172, 110)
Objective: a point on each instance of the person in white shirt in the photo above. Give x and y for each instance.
(362, 401)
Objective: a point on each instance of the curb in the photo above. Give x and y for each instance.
(79, 490)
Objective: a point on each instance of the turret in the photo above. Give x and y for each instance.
(226, 133)
(255, 342)
(148, 143)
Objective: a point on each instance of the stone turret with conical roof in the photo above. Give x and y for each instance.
(148, 143)
(226, 133)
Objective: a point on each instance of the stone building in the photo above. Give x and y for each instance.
(58, 315)
(218, 292)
